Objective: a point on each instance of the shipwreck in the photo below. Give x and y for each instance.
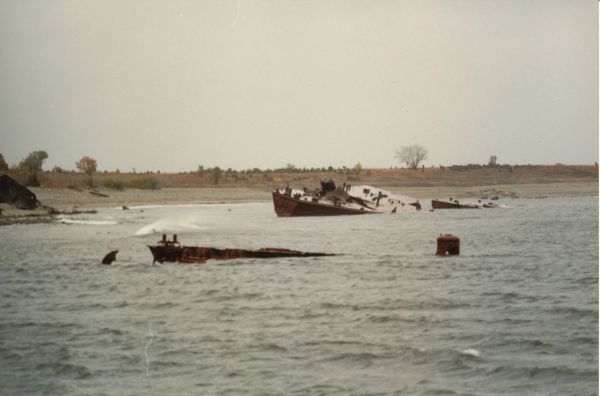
(332, 200)
(173, 252)
(455, 204)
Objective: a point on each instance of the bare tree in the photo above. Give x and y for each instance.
(87, 165)
(412, 155)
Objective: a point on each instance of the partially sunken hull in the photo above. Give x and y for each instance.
(171, 252)
(332, 200)
(287, 206)
(437, 204)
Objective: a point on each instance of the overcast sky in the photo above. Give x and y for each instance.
(168, 85)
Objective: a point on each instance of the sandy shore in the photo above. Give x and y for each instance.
(66, 200)
(542, 190)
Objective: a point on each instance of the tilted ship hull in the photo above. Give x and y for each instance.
(330, 200)
(454, 204)
(438, 204)
(287, 206)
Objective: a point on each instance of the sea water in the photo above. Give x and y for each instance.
(516, 313)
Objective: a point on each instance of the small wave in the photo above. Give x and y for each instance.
(241, 296)
(450, 358)
(359, 357)
(72, 370)
(584, 340)
(60, 368)
(190, 205)
(321, 389)
(136, 207)
(166, 304)
(271, 347)
(328, 305)
(68, 220)
(440, 392)
(439, 304)
(590, 280)
(525, 344)
(382, 318)
(332, 342)
(108, 330)
(551, 373)
(170, 225)
(512, 296)
(471, 352)
(575, 312)
(157, 364)
(390, 319)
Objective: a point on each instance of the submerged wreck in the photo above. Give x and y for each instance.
(332, 200)
(455, 204)
(172, 252)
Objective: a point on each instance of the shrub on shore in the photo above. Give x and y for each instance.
(144, 182)
(113, 184)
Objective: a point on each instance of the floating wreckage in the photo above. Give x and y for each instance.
(110, 257)
(455, 204)
(332, 200)
(172, 251)
(448, 244)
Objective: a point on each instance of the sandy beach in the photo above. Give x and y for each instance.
(73, 201)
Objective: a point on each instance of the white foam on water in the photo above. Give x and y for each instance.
(472, 352)
(188, 205)
(67, 220)
(170, 225)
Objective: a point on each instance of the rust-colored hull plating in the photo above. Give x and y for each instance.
(287, 206)
(435, 204)
(198, 255)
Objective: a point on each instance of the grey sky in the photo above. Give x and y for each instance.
(170, 85)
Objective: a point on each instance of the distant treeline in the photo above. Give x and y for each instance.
(455, 175)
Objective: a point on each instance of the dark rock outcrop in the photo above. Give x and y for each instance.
(11, 192)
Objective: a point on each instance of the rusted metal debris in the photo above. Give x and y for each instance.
(448, 244)
(451, 204)
(172, 251)
(455, 204)
(110, 257)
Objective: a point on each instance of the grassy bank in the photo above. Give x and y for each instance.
(455, 176)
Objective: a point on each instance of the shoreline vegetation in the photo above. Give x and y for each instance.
(68, 192)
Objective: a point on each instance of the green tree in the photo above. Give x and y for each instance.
(34, 161)
(216, 173)
(87, 165)
(3, 164)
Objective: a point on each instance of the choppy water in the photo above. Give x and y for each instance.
(516, 313)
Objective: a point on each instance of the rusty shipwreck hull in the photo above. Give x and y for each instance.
(172, 252)
(287, 206)
(437, 204)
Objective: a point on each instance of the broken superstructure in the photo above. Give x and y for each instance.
(332, 200)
